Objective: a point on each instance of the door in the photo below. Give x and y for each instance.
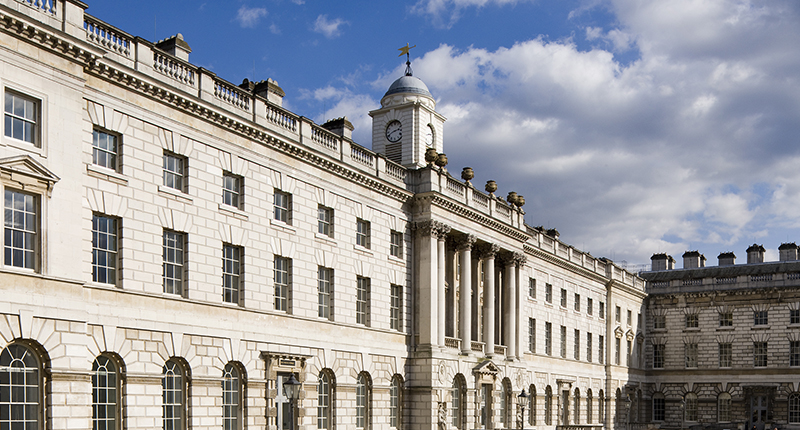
(758, 412)
(283, 405)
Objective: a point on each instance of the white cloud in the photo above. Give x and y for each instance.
(249, 17)
(447, 12)
(274, 29)
(328, 28)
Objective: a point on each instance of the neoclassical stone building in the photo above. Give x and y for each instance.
(176, 247)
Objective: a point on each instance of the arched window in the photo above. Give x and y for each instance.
(105, 394)
(532, 405)
(659, 407)
(363, 396)
(601, 407)
(395, 402)
(325, 400)
(231, 398)
(505, 403)
(794, 407)
(459, 388)
(589, 407)
(620, 408)
(724, 407)
(548, 406)
(20, 388)
(173, 389)
(691, 406)
(577, 406)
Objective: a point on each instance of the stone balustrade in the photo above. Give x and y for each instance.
(778, 279)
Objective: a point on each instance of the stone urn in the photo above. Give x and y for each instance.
(520, 201)
(491, 186)
(431, 155)
(467, 174)
(512, 197)
(441, 160)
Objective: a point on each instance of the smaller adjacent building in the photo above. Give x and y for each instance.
(724, 341)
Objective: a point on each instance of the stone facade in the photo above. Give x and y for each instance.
(177, 246)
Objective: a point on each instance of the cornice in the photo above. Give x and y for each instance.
(50, 39)
(564, 264)
(463, 211)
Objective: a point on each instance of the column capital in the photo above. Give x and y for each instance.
(519, 259)
(465, 242)
(432, 228)
(487, 250)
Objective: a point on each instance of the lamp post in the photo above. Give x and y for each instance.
(628, 412)
(522, 401)
(683, 412)
(291, 388)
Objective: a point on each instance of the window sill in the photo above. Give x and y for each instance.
(726, 328)
(362, 250)
(22, 145)
(174, 193)
(325, 238)
(760, 327)
(282, 225)
(106, 174)
(232, 211)
(691, 330)
(396, 260)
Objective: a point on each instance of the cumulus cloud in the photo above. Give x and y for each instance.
(447, 12)
(248, 17)
(328, 28)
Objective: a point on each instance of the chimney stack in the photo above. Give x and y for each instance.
(661, 262)
(176, 46)
(727, 259)
(788, 251)
(341, 126)
(755, 254)
(693, 260)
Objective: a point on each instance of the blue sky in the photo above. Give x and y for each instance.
(631, 126)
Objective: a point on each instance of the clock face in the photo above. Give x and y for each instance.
(430, 136)
(394, 131)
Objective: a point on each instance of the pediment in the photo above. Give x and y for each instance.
(25, 172)
(486, 368)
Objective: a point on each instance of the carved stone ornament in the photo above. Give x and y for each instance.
(512, 197)
(519, 259)
(465, 242)
(432, 228)
(520, 201)
(431, 155)
(441, 160)
(488, 250)
(467, 174)
(491, 186)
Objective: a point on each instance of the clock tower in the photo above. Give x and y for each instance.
(407, 123)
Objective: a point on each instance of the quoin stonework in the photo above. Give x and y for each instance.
(177, 247)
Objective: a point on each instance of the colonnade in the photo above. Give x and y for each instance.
(498, 265)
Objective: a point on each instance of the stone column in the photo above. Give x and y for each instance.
(426, 260)
(464, 247)
(488, 253)
(519, 336)
(442, 232)
(510, 308)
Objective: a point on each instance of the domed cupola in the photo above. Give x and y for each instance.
(407, 123)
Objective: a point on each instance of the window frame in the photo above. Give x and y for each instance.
(35, 123)
(531, 287)
(794, 316)
(325, 220)
(363, 287)
(532, 335)
(111, 155)
(396, 307)
(232, 388)
(113, 391)
(601, 349)
(658, 355)
(282, 279)
(325, 400)
(548, 338)
(577, 305)
(177, 265)
(21, 352)
(396, 244)
(725, 354)
(325, 287)
(175, 384)
(724, 407)
(363, 233)
(232, 274)
(563, 297)
(690, 353)
(107, 251)
(692, 320)
(690, 400)
(760, 318)
(760, 354)
(659, 407)
(589, 306)
(794, 353)
(395, 403)
(660, 322)
(233, 190)
(793, 409)
(175, 170)
(363, 402)
(31, 218)
(282, 206)
(548, 293)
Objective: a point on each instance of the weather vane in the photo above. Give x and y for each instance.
(404, 50)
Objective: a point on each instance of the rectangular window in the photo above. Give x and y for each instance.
(174, 261)
(659, 409)
(21, 226)
(325, 292)
(601, 310)
(617, 314)
(589, 307)
(232, 190)
(726, 319)
(577, 302)
(629, 319)
(690, 352)
(794, 316)
(563, 341)
(639, 320)
(794, 353)
(396, 308)
(658, 356)
(104, 149)
(232, 282)
(628, 353)
(760, 318)
(532, 335)
(174, 171)
(601, 355)
(21, 117)
(659, 322)
(362, 300)
(363, 233)
(282, 203)
(104, 249)
(396, 245)
(759, 354)
(692, 321)
(617, 352)
(589, 347)
(548, 293)
(577, 346)
(283, 282)
(548, 338)
(532, 288)
(563, 298)
(325, 221)
(725, 354)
